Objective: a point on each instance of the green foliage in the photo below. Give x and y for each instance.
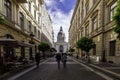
(1, 20)
(43, 47)
(53, 50)
(116, 18)
(71, 50)
(85, 44)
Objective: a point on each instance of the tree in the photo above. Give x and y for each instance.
(43, 47)
(71, 50)
(85, 44)
(1, 20)
(52, 50)
(116, 18)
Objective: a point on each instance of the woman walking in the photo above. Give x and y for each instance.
(64, 59)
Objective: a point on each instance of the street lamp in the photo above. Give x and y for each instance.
(31, 42)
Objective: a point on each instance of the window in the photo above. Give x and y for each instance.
(8, 8)
(38, 20)
(86, 31)
(38, 34)
(35, 1)
(79, 16)
(38, 7)
(87, 6)
(82, 33)
(94, 1)
(112, 10)
(87, 9)
(30, 27)
(94, 50)
(94, 24)
(61, 48)
(82, 12)
(82, 4)
(112, 48)
(82, 15)
(29, 6)
(21, 20)
(35, 14)
(35, 31)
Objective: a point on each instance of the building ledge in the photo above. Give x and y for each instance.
(41, 1)
(22, 1)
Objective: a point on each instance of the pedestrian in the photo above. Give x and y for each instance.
(58, 59)
(37, 59)
(64, 59)
(77, 56)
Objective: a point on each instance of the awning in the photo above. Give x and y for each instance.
(14, 43)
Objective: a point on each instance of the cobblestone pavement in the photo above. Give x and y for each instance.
(49, 71)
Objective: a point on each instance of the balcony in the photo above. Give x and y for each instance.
(22, 1)
(41, 1)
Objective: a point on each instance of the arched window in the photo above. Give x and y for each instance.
(8, 36)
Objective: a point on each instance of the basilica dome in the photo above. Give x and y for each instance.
(61, 36)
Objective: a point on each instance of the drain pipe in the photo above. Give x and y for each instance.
(103, 56)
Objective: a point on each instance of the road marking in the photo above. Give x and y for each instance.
(98, 73)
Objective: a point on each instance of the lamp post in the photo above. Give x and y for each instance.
(31, 42)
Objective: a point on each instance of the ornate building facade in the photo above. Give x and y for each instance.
(21, 31)
(61, 46)
(93, 18)
(46, 27)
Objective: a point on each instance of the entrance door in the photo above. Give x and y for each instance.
(61, 49)
(112, 48)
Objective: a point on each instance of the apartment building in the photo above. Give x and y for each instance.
(21, 31)
(47, 28)
(93, 18)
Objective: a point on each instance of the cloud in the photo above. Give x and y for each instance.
(59, 17)
(49, 3)
(61, 1)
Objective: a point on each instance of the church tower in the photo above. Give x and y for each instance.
(61, 36)
(61, 46)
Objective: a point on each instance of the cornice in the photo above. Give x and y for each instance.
(75, 9)
(41, 1)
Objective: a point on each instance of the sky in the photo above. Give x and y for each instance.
(60, 12)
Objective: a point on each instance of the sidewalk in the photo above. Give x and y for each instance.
(19, 71)
(15, 71)
(110, 69)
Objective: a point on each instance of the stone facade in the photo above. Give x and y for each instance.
(47, 28)
(23, 23)
(93, 18)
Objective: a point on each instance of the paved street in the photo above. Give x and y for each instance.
(49, 71)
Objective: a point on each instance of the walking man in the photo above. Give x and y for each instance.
(37, 59)
(58, 59)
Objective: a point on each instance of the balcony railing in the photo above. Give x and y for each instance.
(22, 1)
